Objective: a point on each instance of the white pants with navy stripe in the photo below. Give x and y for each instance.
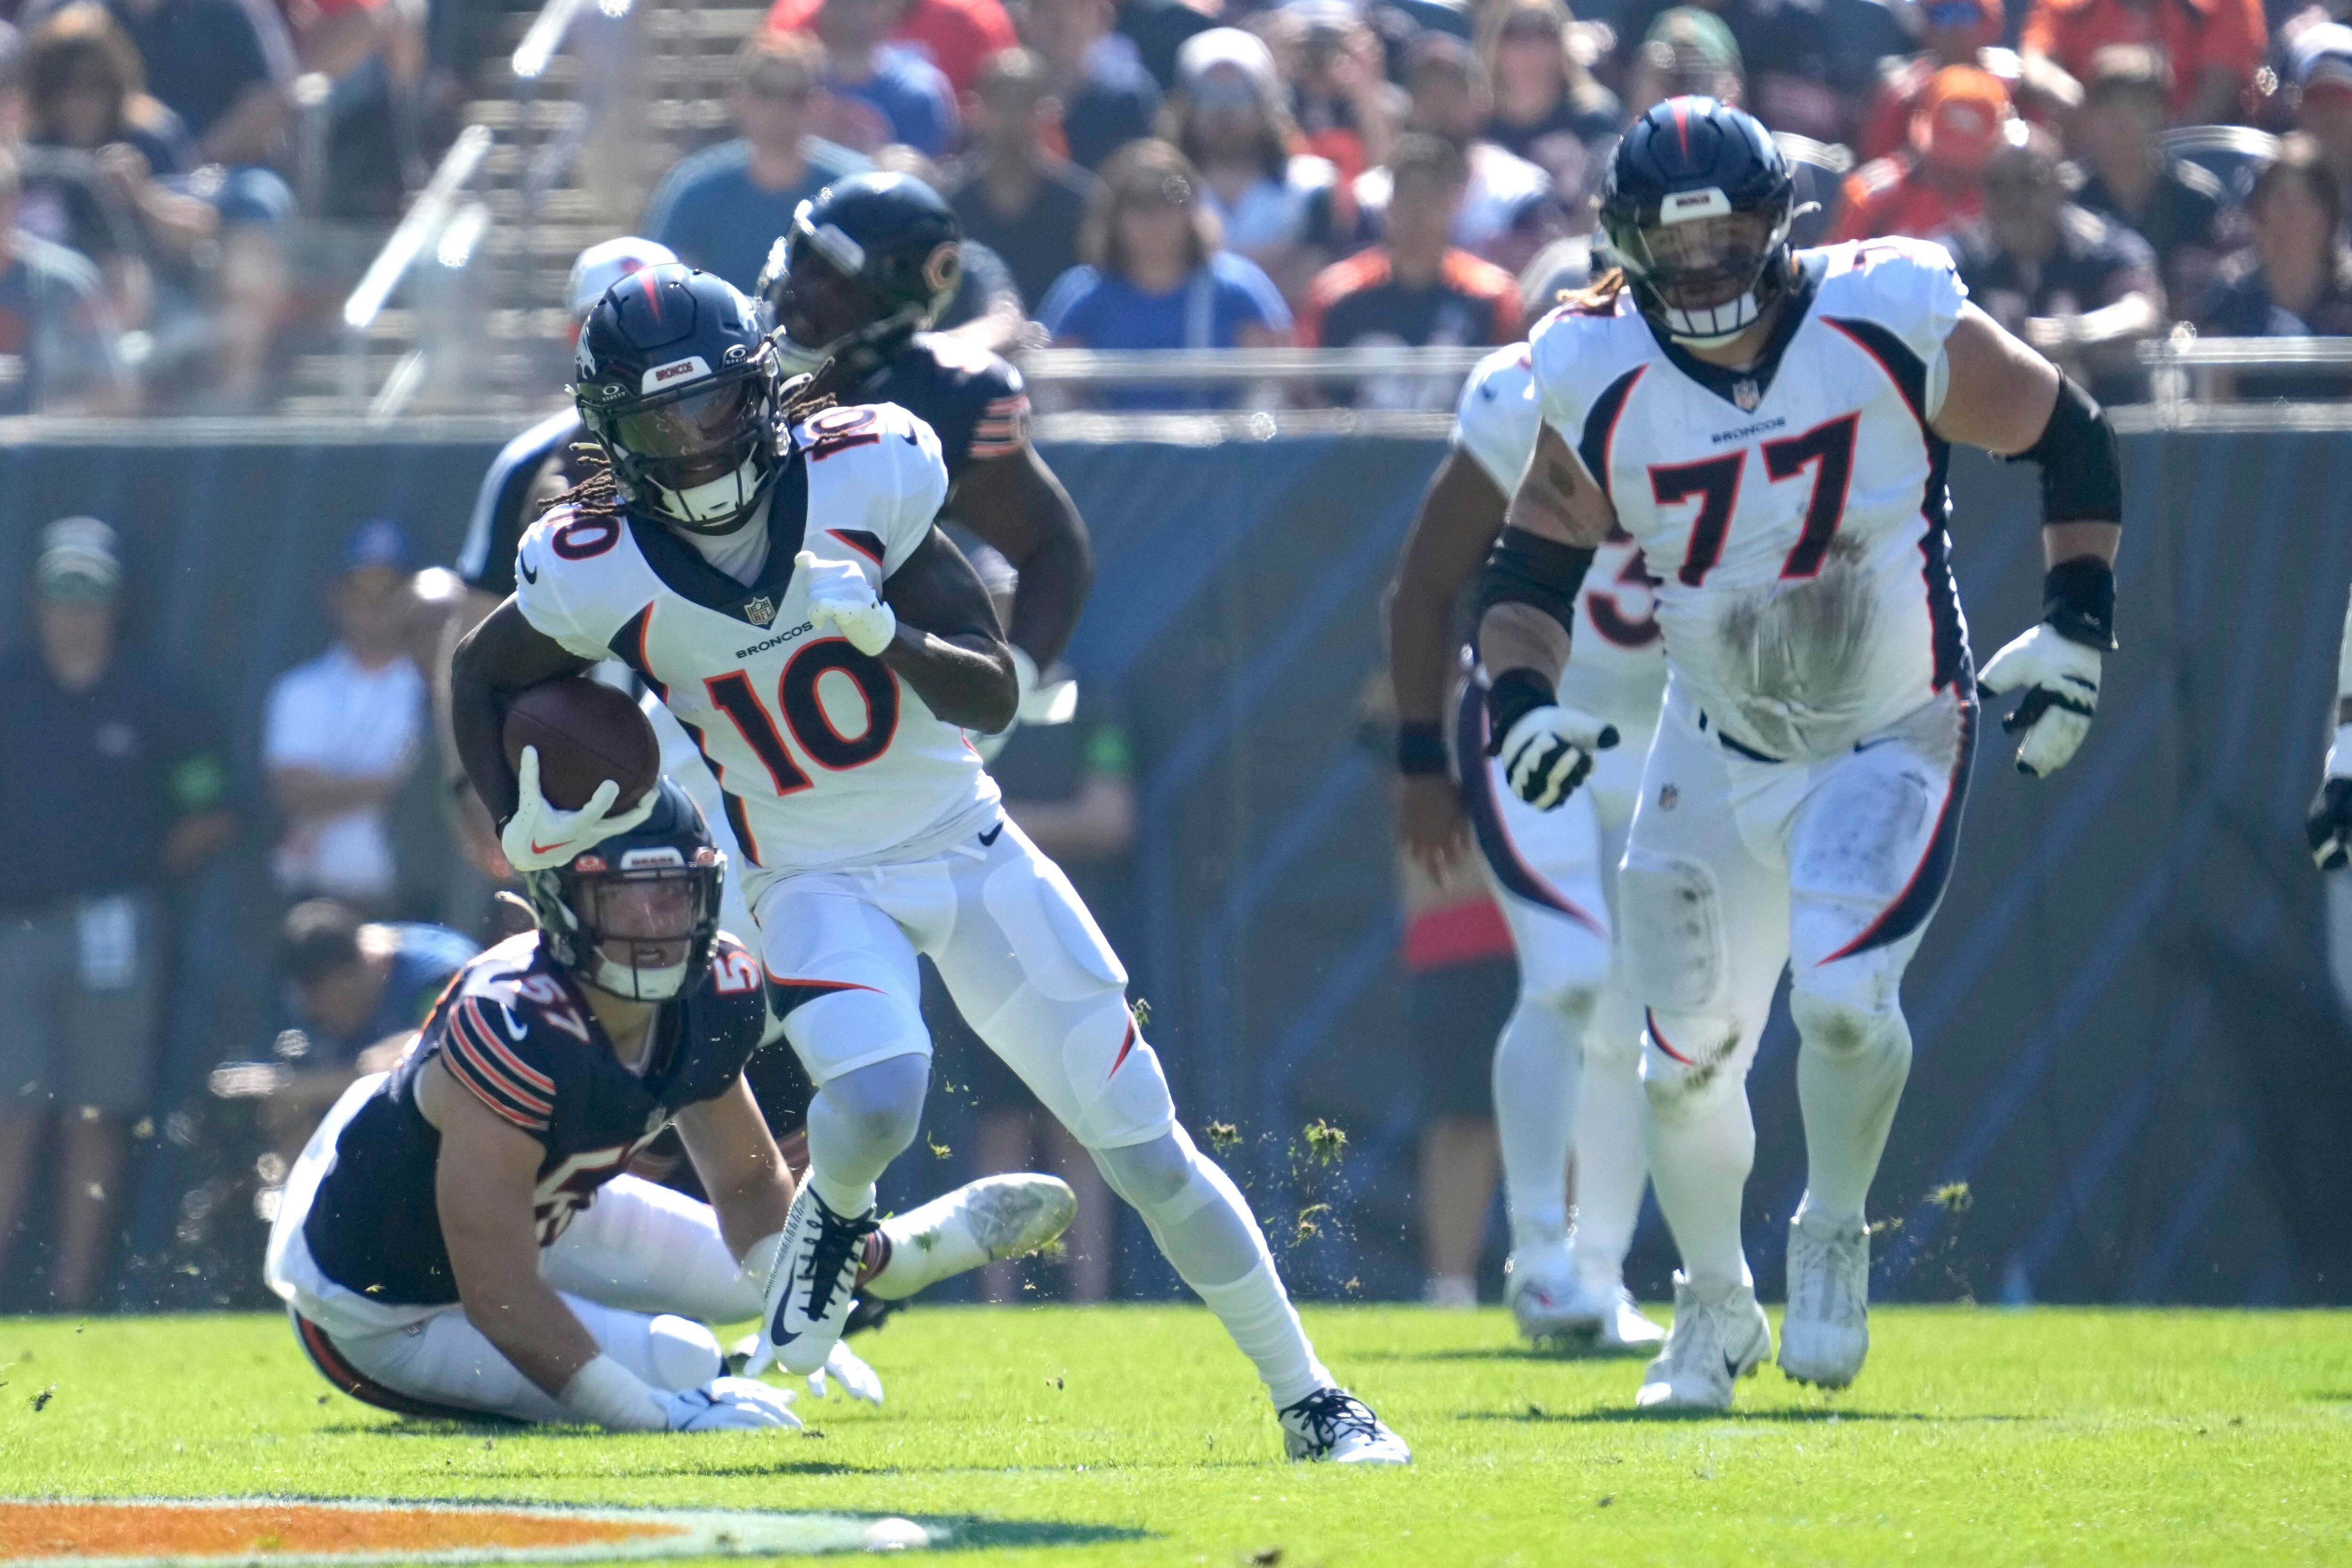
(643, 1267)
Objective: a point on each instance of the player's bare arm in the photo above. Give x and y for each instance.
(2007, 399)
(482, 1186)
(1017, 504)
(1527, 604)
(1460, 515)
(750, 1186)
(948, 645)
(494, 662)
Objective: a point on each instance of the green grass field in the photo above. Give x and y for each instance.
(1136, 1435)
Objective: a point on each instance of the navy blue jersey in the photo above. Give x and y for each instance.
(512, 1028)
(972, 400)
(531, 469)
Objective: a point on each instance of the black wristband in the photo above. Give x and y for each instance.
(1514, 694)
(1420, 749)
(2078, 600)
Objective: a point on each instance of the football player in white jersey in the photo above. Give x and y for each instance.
(1771, 428)
(775, 576)
(1568, 1066)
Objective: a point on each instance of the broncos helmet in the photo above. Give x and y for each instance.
(676, 379)
(873, 257)
(635, 915)
(1696, 206)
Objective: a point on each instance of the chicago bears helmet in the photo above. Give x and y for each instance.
(872, 258)
(635, 915)
(1696, 206)
(674, 376)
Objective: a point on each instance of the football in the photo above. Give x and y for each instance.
(586, 732)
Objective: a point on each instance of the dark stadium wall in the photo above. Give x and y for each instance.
(2131, 1079)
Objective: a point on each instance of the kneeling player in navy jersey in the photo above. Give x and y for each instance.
(459, 1238)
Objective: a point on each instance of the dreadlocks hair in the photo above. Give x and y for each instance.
(812, 394)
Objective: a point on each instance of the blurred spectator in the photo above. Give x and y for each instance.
(2174, 205)
(1961, 120)
(1954, 33)
(1275, 204)
(1107, 98)
(1509, 211)
(1015, 196)
(877, 95)
(2211, 47)
(954, 34)
(1157, 29)
(1547, 108)
(342, 730)
(1156, 275)
(222, 67)
(58, 350)
(2067, 281)
(2320, 65)
(1687, 53)
(1789, 59)
(986, 309)
(355, 994)
(372, 51)
(2298, 283)
(1346, 107)
(120, 781)
(722, 208)
(1415, 288)
(129, 200)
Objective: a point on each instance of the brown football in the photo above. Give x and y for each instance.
(586, 732)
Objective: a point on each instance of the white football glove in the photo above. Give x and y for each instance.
(2060, 678)
(840, 596)
(857, 1380)
(1043, 702)
(1548, 751)
(540, 835)
(731, 1405)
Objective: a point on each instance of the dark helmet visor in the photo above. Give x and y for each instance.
(694, 437)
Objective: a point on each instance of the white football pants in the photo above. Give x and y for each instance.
(1735, 867)
(642, 1267)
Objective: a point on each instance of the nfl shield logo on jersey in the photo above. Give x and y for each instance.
(759, 611)
(1747, 394)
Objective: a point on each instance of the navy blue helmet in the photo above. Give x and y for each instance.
(636, 913)
(872, 258)
(674, 377)
(1696, 206)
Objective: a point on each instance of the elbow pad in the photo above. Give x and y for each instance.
(2082, 480)
(1524, 569)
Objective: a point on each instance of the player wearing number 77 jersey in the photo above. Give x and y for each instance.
(775, 576)
(1771, 428)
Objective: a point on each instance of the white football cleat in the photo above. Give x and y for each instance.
(1825, 1333)
(1546, 1298)
(809, 1295)
(981, 1222)
(1712, 1345)
(1623, 1330)
(1332, 1425)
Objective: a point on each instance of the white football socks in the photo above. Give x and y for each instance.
(1205, 1229)
(1537, 1066)
(1612, 1158)
(1851, 1069)
(1701, 1147)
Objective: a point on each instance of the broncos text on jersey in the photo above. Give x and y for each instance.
(513, 1031)
(1616, 654)
(1794, 513)
(822, 756)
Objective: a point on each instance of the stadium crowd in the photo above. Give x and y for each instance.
(1160, 173)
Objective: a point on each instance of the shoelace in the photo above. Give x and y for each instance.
(1330, 1414)
(837, 1240)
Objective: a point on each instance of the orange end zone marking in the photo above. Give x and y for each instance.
(164, 1529)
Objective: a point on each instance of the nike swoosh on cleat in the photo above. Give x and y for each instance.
(1731, 1365)
(539, 849)
(989, 837)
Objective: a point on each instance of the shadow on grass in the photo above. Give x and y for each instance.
(1558, 1352)
(1627, 1416)
(966, 1532)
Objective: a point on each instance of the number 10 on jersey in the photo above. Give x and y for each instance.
(804, 712)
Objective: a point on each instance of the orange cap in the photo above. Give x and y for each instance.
(1960, 121)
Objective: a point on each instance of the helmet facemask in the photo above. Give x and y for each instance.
(698, 458)
(1703, 270)
(641, 930)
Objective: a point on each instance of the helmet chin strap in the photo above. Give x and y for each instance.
(718, 506)
(657, 983)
